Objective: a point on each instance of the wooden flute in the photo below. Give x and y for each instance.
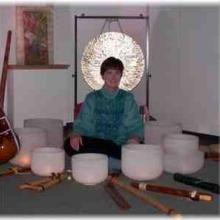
(42, 184)
(34, 184)
(146, 198)
(57, 179)
(14, 170)
(193, 195)
(212, 156)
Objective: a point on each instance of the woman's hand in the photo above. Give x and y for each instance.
(133, 140)
(76, 141)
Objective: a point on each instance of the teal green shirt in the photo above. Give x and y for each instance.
(109, 115)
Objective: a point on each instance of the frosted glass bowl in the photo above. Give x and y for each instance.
(54, 128)
(184, 164)
(180, 144)
(156, 130)
(89, 168)
(141, 161)
(47, 160)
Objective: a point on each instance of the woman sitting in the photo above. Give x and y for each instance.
(109, 117)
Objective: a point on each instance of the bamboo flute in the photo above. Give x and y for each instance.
(40, 185)
(35, 183)
(57, 179)
(212, 156)
(146, 198)
(194, 195)
(14, 170)
(30, 186)
(40, 181)
(117, 197)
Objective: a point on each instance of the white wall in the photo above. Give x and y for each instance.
(184, 66)
(64, 53)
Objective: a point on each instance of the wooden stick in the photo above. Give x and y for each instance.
(146, 198)
(5, 69)
(194, 195)
(117, 197)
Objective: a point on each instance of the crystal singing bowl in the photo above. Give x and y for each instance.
(156, 130)
(184, 164)
(142, 161)
(54, 128)
(89, 168)
(47, 160)
(182, 154)
(180, 143)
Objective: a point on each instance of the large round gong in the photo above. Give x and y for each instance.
(118, 45)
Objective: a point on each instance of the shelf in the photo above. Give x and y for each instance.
(38, 67)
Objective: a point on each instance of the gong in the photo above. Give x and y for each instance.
(118, 45)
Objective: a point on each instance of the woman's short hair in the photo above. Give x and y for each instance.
(111, 63)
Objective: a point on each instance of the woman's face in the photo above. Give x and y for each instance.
(112, 78)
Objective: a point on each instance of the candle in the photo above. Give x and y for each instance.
(48, 160)
(29, 138)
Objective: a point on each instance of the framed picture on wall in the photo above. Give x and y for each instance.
(34, 35)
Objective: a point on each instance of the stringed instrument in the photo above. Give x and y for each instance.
(9, 143)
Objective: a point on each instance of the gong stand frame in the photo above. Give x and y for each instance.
(147, 28)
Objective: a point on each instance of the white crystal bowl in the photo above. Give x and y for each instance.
(54, 128)
(184, 164)
(141, 161)
(47, 160)
(180, 144)
(89, 168)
